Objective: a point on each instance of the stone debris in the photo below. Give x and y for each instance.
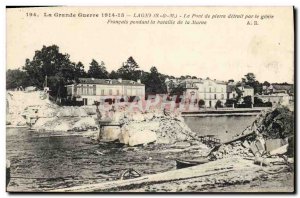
(231, 150)
(134, 138)
(168, 129)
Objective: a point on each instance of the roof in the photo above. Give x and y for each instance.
(247, 87)
(201, 81)
(287, 87)
(108, 82)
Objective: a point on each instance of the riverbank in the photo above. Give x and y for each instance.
(242, 174)
(224, 112)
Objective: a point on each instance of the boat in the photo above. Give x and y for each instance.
(188, 163)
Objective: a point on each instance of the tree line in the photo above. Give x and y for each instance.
(61, 71)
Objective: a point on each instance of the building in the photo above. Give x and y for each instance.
(89, 90)
(280, 88)
(210, 91)
(277, 98)
(242, 90)
(276, 88)
(246, 90)
(232, 91)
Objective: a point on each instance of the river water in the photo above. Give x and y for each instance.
(42, 161)
(223, 127)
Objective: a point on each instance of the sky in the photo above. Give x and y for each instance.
(223, 49)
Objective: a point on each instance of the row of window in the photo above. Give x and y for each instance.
(91, 90)
(215, 96)
(210, 96)
(210, 89)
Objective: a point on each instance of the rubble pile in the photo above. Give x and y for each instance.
(236, 149)
(66, 124)
(273, 129)
(17, 103)
(168, 129)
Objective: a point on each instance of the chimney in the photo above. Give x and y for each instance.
(138, 81)
(120, 80)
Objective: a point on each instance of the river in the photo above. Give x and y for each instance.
(42, 161)
(223, 127)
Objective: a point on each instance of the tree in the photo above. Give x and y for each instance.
(201, 103)
(79, 71)
(231, 102)
(218, 104)
(16, 78)
(113, 75)
(154, 82)
(51, 63)
(129, 70)
(177, 89)
(182, 77)
(250, 80)
(266, 83)
(97, 70)
(247, 101)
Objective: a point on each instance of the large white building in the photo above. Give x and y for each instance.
(206, 89)
(89, 90)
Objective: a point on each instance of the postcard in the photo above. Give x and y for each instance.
(150, 99)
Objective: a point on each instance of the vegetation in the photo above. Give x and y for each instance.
(16, 78)
(154, 82)
(218, 104)
(201, 103)
(60, 70)
(259, 103)
(97, 70)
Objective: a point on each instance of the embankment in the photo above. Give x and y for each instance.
(137, 127)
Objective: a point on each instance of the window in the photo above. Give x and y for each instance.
(94, 90)
(88, 90)
(215, 89)
(215, 96)
(102, 92)
(222, 96)
(233, 95)
(210, 89)
(110, 92)
(84, 90)
(118, 92)
(75, 90)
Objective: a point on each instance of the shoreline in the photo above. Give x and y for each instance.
(218, 115)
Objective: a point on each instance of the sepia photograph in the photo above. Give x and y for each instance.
(150, 99)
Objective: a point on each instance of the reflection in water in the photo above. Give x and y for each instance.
(223, 127)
